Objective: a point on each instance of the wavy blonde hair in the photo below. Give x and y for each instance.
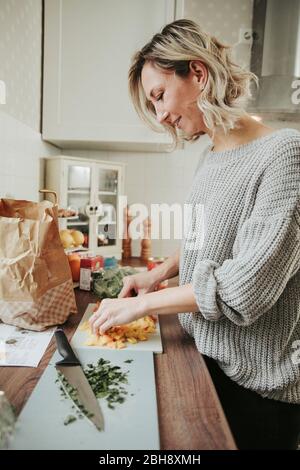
(226, 92)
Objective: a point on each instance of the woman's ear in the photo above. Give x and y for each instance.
(199, 70)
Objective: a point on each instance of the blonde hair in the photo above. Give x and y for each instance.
(226, 92)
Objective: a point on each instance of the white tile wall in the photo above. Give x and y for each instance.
(224, 19)
(22, 154)
(20, 59)
(21, 147)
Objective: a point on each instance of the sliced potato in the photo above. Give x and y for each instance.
(117, 336)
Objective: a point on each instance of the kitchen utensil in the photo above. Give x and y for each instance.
(130, 425)
(72, 370)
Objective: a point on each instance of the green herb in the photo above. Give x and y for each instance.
(106, 382)
(11, 341)
(69, 419)
(109, 282)
(129, 361)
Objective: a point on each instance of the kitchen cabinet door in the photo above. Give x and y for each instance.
(92, 189)
(108, 181)
(88, 47)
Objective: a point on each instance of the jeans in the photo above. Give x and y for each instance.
(255, 422)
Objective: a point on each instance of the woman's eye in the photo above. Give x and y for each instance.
(159, 97)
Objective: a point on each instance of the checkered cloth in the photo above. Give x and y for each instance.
(52, 308)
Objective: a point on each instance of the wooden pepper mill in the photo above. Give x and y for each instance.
(126, 244)
(146, 241)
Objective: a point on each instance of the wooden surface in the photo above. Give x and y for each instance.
(189, 411)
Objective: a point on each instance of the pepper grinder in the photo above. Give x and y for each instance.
(146, 241)
(126, 244)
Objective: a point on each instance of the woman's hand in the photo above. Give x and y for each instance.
(112, 312)
(140, 283)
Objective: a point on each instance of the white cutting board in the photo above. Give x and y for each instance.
(153, 344)
(131, 425)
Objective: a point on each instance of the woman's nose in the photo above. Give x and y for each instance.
(162, 116)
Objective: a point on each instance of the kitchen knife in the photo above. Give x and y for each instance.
(72, 370)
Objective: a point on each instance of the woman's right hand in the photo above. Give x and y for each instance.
(140, 283)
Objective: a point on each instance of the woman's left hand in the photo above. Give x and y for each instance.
(112, 312)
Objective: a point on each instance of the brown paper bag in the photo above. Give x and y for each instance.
(36, 289)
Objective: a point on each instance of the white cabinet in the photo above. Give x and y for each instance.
(88, 46)
(92, 188)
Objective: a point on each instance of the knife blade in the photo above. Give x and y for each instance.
(72, 370)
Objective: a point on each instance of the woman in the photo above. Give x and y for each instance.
(239, 293)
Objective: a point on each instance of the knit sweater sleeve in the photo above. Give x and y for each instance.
(266, 251)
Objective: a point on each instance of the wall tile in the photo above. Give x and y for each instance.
(20, 59)
(22, 154)
(223, 19)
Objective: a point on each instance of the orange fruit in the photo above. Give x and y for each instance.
(74, 262)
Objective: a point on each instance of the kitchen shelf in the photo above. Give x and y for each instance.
(75, 249)
(107, 193)
(67, 175)
(78, 223)
(78, 191)
(72, 217)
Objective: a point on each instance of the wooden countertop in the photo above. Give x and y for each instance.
(189, 411)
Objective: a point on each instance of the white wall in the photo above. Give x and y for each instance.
(21, 147)
(22, 154)
(20, 58)
(224, 19)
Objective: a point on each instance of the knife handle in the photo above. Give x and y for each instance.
(65, 350)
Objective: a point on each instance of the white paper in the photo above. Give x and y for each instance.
(19, 347)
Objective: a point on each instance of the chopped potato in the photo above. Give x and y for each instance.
(117, 336)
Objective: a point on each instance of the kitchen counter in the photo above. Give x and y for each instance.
(189, 411)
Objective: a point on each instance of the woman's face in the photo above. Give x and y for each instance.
(175, 98)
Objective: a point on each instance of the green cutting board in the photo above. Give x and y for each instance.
(131, 425)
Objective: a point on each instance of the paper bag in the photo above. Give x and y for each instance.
(36, 289)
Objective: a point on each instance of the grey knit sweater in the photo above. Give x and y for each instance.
(241, 253)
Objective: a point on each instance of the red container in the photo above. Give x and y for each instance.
(89, 264)
(92, 262)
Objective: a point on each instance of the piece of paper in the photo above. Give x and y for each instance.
(19, 347)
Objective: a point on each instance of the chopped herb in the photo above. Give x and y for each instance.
(106, 381)
(69, 419)
(11, 341)
(129, 361)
